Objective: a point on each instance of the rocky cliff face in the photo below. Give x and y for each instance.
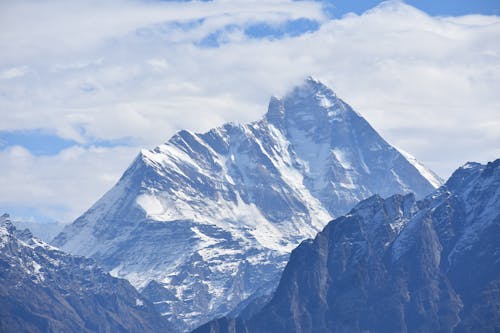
(396, 265)
(205, 221)
(43, 289)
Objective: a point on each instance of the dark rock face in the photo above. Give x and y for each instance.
(396, 265)
(43, 289)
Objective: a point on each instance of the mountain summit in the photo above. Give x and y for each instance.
(204, 221)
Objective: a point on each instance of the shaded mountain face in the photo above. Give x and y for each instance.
(43, 289)
(205, 221)
(396, 265)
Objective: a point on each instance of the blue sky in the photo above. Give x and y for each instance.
(79, 99)
(432, 7)
(41, 143)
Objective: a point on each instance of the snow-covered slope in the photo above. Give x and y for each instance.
(204, 221)
(395, 265)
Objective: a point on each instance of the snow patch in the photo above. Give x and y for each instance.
(341, 157)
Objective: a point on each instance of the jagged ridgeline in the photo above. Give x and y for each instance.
(206, 221)
(395, 265)
(43, 289)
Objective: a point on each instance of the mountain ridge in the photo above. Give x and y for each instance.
(212, 217)
(395, 265)
(43, 289)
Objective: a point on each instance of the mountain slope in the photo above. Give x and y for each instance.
(205, 221)
(396, 265)
(43, 289)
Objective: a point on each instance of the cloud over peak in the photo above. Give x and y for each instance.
(93, 72)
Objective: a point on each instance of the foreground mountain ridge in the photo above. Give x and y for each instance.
(395, 265)
(43, 289)
(205, 221)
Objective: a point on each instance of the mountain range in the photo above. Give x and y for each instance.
(395, 265)
(43, 289)
(203, 224)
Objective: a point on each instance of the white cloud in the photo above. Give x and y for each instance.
(73, 179)
(429, 85)
(55, 28)
(13, 72)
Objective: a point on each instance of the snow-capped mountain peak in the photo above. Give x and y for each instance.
(211, 217)
(306, 105)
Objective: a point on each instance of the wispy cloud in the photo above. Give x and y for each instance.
(57, 28)
(11, 73)
(90, 71)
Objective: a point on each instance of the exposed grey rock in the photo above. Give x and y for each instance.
(396, 265)
(43, 289)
